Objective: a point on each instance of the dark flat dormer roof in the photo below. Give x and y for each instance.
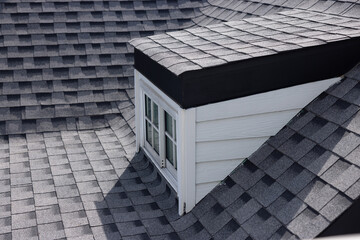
(204, 65)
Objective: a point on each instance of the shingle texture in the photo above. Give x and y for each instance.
(91, 184)
(219, 44)
(217, 11)
(64, 65)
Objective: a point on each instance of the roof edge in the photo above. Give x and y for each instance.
(243, 78)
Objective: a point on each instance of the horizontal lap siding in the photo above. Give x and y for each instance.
(203, 189)
(228, 149)
(217, 170)
(273, 101)
(230, 131)
(253, 126)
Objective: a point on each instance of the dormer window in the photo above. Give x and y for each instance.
(170, 141)
(152, 124)
(160, 135)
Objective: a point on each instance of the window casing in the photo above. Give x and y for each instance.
(182, 178)
(160, 135)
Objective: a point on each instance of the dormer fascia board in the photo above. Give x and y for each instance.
(251, 76)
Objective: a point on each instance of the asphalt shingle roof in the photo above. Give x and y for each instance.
(217, 11)
(215, 45)
(66, 66)
(91, 184)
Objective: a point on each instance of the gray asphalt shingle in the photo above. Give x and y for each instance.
(66, 64)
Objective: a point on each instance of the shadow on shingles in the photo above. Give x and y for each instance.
(286, 188)
(139, 205)
(296, 185)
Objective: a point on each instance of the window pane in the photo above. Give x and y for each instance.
(168, 124)
(175, 157)
(155, 115)
(148, 107)
(169, 150)
(148, 133)
(174, 130)
(156, 140)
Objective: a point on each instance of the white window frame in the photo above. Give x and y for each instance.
(160, 158)
(184, 183)
(171, 167)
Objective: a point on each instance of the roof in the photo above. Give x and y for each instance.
(89, 184)
(215, 45)
(56, 74)
(65, 65)
(291, 48)
(217, 11)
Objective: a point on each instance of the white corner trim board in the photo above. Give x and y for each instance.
(214, 139)
(184, 184)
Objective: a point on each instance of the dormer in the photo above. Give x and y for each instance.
(208, 97)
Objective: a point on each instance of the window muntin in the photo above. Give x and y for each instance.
(160, 134)
(170, 142)
(152, 124)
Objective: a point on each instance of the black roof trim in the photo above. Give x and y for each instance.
(243, 78)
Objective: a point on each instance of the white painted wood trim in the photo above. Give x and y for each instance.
(271, 101)
(184, 185)
(189, 157)
(230, 149)
(145, 86)
(181, 165)
(215, 171)
(138, 115)
(171, 106)
(265, 124)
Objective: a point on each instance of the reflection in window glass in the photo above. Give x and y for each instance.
(174, 130)
(155, 115)
(148, 107)
(156, 141)
(168, 124)
(148, 133)
(170, 141)
(175, 156)
(169, 150)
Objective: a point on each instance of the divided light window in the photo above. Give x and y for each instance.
(152, 123)
(170, 136)
(160, 135)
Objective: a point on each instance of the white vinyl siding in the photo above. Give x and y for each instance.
(230, 131)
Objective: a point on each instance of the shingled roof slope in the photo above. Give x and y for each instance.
(67, 64)
(215, 45)
(316, 177)
(80, 183)
(218, 11)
